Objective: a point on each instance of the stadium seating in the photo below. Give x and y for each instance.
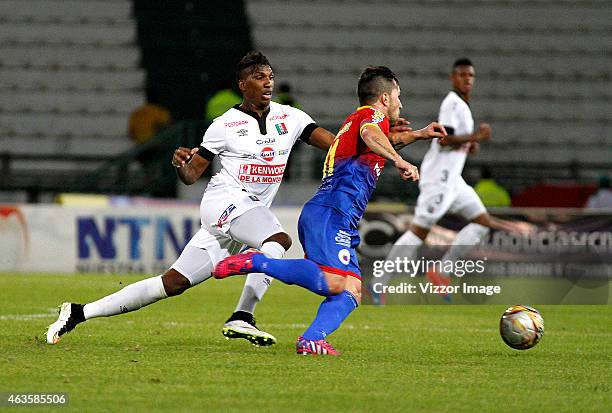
(69, 76)
(544, 79)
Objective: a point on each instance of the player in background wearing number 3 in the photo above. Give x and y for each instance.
(328, 222)
(442, 188)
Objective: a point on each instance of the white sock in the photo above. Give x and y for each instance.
(257, 284)
(466, 239)
(129, 298)
(407, 247)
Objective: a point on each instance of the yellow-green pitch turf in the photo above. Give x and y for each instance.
(171, 356)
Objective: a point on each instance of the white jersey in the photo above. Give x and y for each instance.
(444, 165)
(253, 152)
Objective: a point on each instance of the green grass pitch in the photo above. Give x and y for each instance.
(171, 356)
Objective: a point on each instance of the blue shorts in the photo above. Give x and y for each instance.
(328, 239)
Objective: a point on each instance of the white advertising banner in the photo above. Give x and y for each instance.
(141, 239)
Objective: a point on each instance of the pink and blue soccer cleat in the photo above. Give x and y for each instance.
(314, 347)
(236, 264)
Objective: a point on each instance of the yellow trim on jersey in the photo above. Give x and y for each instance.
(368, 124)
(328, 166)
(363, 107)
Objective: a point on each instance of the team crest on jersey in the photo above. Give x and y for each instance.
(344, 129)
(281, 128)
(377, 116)
(267, 153)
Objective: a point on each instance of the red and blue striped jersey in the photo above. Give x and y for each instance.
(351, 169)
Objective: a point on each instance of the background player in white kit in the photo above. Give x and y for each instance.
(253, 141)
(442, 188)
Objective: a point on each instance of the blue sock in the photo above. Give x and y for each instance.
(332, 312)
(303, 272)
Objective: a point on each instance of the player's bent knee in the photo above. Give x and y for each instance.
(353, 286)
(335, 283)
(282, 238)
(174, 282)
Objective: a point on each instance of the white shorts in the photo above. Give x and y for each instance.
(436, 200)
(251, 229)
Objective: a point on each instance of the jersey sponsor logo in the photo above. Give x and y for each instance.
(267, 154)
(236, 123)
(261, 174)
(280, 117)
(281, 129)
(225, 215)
(344, 256)
(243, 132)
(266, 141)
(343, 238)
(377, 116)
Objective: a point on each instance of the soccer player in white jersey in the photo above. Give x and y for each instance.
(442, 188)
(253, 141)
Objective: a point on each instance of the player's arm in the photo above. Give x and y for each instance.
(321, 138)
(189, 164)
(482, 133)
(376, 140)
(401, 137)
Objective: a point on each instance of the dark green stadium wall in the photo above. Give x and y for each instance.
(190, 49)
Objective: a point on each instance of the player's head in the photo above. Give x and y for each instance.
(463, 76)
(378, 86)
(255, 79)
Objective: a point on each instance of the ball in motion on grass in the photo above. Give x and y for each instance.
(521, 327)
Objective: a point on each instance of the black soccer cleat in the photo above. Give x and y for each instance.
(242, 325)
(70, 315)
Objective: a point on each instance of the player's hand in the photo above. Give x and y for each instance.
(433, 130)
(483, 132)
(400, 125)
(407, 170)
(182, 156)
(474, 147)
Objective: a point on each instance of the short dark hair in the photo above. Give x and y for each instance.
(250, 62)
(373, 82)
(464, 61)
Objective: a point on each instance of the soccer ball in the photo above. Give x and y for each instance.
(521, 327)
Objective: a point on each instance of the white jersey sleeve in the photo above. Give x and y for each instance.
(214, 138)
(448, 115)
(442, 166)
(302, 121)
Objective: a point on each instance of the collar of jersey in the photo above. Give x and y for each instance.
(261, 121)
(363, 107)
(461, 97)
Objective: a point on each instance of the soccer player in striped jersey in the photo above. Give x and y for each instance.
(328, 222)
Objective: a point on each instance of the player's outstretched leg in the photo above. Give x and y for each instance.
(129, 298)
(194, 262)
(302, 272)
